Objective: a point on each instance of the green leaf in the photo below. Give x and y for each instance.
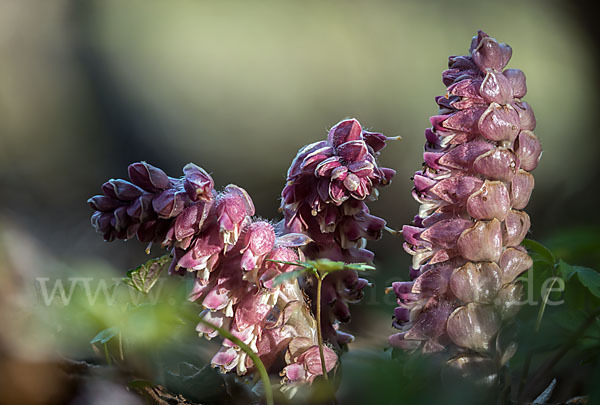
(539, 252)
(144, 277)
(589, 278)
(328, 266)
(104, 336)
(360, 267)
(322, 266)
(288, 276)
(565, 270)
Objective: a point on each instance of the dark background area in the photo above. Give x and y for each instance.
(237, 87)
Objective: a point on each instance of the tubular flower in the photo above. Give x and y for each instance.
(466, 238)
(214, 238)
(325, 197)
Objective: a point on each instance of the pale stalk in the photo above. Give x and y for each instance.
(264, 376)
(319, 333)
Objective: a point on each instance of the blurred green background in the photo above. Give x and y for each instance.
(237, 87)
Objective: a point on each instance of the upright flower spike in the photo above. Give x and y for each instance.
(466, 238)
(328, 185)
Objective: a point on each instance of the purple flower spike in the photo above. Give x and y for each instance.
(213, 237)
(328, 186)
(472, 189)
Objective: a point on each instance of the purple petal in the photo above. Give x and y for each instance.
(473, 326)
(467, 88)
(375, 140)
(294, 372)
(431, 322)
(499, 123)
(227, 358)
(352, 151)
(148, 177)
(169, 203)
(435, 280)
(496, 88)
(482, 242)
(521, 187)
(476, 282)
(361, 168)
(489, 54)
(312, 360)
(508, 300)
(324, 168)
(141, 209)
(215, 300)
(515, 227)
(122, 190)
(513, 263)
(337, 192)
(526, 116)
(529, 150)
(122, 220)
(516, 78)
(498, 164)
(464, 120)
(490, 201)
(456, 189)
(197, 182)
(463, 156)
(345, 131)
(445, 233)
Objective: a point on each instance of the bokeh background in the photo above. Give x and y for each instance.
(87, 87)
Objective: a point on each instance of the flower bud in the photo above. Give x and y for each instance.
(148, 177)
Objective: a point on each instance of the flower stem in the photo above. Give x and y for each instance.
(106, 355)
(264, 376)
(319, 333)
(121, 346)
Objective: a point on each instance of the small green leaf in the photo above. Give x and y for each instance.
(104, 336)
(565, 270)
(321, 266)
(589, 278)
(287, 276)
(143, 277)
(538, 251)
(360, 267)
(328, 266)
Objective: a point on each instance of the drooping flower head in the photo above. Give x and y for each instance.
(328, 185)
(215, 239)
(466, 237)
